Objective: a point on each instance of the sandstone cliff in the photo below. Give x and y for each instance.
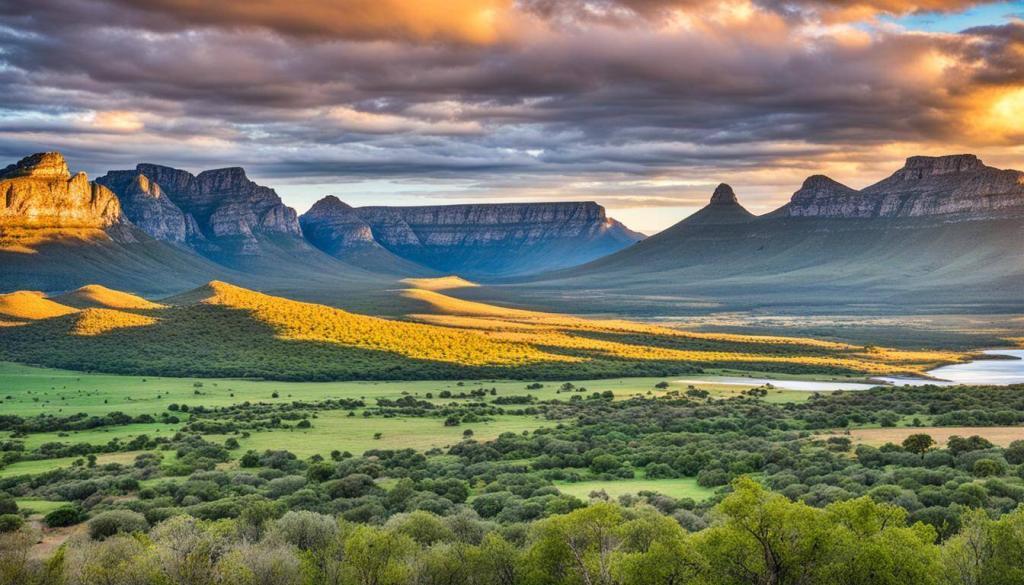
(39, 192)
(147, 207)
(475, 240)
(950, 188)
(215, 211)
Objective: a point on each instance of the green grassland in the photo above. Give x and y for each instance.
(30, 390)
(335, 430)
(683, 487)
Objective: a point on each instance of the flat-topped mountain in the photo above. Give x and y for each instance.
(474, 240)
(39, 192)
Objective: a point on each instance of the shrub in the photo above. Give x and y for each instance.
(10, 522)
(8, 505)
(63, 516)
(306, 530)
(116, 521)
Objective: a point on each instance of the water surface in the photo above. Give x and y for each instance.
(998, 372)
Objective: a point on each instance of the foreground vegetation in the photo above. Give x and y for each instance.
(756, 537)
(268, 491)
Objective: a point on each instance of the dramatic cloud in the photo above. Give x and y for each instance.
(635, 103)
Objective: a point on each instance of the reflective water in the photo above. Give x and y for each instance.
(985, 371)
(807, 385)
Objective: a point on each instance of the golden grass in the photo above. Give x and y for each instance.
(564, 331)
(449, 331)
(98, 321)
(98, 296)
(295, 320)
(25, 305)
(439, 283)
(1001, 436)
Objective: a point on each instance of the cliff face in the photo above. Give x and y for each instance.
(147, 207)
(39, 192)
(476, 240)
(951, 188)
(216, 210)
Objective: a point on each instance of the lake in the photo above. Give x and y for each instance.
(983, 371)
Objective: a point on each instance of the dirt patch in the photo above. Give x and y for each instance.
(1001, 436)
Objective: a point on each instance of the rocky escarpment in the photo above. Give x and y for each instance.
(39, 192)
(220, 210)
(146, 205)
(956, 187)
(475, 240)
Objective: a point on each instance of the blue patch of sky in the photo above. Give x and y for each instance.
(984, 15)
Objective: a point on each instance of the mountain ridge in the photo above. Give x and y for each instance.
(483, 239)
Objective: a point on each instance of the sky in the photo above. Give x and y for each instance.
(641, 105)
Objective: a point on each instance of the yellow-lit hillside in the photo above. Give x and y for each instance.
(224, 330)
(98, 296)
(26, 305)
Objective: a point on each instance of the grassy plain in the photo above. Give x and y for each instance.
(684, 487)
(1001, 436)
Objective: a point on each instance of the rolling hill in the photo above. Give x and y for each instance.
(222, 330)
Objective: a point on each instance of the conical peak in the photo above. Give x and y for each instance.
(724, 195)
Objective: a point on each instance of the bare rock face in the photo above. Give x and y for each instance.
(147, 207)
(723, 195)
(952, 188)
(334, 227)
(476, 240)
(219, 208)
(39, 192)
(723, 208)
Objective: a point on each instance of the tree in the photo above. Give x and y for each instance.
(765, 539)
(584, 543)
(374, 556)
(918, 443)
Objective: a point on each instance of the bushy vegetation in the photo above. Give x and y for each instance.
(756, 537)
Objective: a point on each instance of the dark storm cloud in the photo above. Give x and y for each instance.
(483, 90)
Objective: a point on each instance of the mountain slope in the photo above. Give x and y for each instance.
(941, 234)
(59, 231)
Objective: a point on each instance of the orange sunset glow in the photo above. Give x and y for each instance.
(641, 105)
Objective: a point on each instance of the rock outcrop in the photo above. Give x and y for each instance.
(219, 209)
(724, 207)
(39, 192)
(475, 240)
(147, 207)
(334, 227)
(951, 188)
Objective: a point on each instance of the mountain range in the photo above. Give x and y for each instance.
(940, 234)
(156, 229)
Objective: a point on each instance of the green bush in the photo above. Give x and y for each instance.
(63, 516)
(116, 521)
(10, 522)
(8, 505)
